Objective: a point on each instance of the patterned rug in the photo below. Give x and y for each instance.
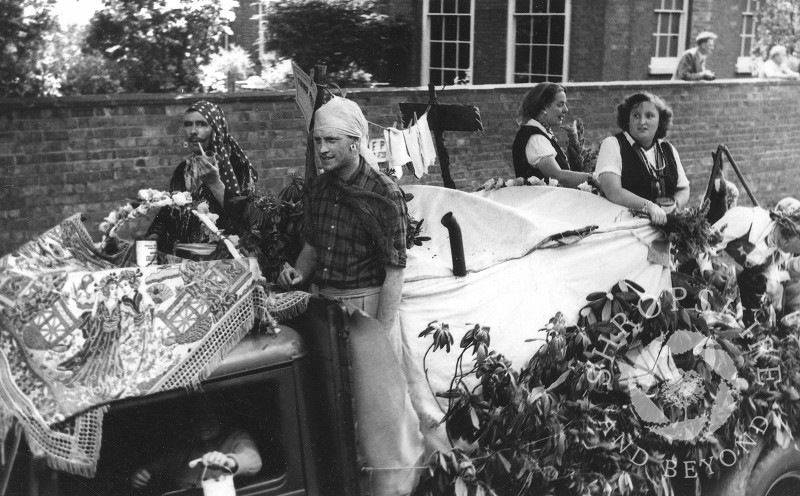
(77, 332)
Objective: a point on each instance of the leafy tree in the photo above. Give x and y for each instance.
(347, 36)
(25, 26)
(778, 24)
(225, 67)
(160, 44)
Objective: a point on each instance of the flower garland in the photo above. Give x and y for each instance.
(148, 199)
(498, 183)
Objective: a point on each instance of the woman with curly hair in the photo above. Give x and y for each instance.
(637, 168)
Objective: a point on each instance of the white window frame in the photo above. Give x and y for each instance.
(667, 65)
(745, 62)
(511, 48)
(425, 71)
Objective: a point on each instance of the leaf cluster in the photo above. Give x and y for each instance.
(690, 233)
(25, 26)
(559, 427)
(271, 229)
(160, 45)
(778, 23)
(346, 36)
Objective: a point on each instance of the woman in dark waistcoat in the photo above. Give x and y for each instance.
(637, 168)
(535, 150)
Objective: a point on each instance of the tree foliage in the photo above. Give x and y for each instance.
(346, 36)
(160, 44)
(778, 24)
(24, 28)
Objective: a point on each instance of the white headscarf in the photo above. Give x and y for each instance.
(344, 116)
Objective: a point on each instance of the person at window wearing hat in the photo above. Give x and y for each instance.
(692, 66)
(775, 66)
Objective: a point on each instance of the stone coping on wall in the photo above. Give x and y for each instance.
(288, 95)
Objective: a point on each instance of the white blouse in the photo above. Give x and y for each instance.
(609, 159)
(538, 147)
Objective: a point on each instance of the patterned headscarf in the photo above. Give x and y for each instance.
(235, 169)
(344, 116)
(787, 217)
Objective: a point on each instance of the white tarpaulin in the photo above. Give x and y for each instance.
(511, 285)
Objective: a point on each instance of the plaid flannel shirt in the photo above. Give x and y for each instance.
(347, 257)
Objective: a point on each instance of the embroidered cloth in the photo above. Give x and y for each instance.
(77, 332)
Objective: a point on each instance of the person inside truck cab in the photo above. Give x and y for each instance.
(535, 150)
(213, 448)
(637, 168)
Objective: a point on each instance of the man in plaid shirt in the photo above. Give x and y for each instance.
(355, 251)
(355, 225)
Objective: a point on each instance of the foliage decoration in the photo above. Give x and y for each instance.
(690, 232)
(566, 423)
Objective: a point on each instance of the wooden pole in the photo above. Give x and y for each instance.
(318, 76)
(438, 134)
(739, 174)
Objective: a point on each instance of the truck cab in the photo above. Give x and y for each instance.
(290, 391)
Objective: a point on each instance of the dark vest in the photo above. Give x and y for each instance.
(635, 176)
(521, 166)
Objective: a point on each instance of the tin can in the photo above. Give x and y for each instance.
(145, 252)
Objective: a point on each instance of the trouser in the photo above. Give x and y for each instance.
(387, 425)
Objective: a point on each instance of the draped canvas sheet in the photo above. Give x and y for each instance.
(510, 286)
(77, 333)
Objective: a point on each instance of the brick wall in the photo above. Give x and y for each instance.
(88, 154)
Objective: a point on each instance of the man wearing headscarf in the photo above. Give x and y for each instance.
(355, 251)
(355, 231)
(216, 171)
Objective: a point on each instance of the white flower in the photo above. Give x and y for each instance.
(203, 208)
(213, 217)
(553, 182)
(181, 198)
(161, 203)
(128, 208)
(112, 218)
(499, 183)
(584, 186)
(142, 209)
(511, 183)
(489, 184)
(144, 194)
(105, 227)
(520, 181)
(156, 195)
(535, 181)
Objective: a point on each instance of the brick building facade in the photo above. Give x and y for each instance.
(89, 154)
(519, 41)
